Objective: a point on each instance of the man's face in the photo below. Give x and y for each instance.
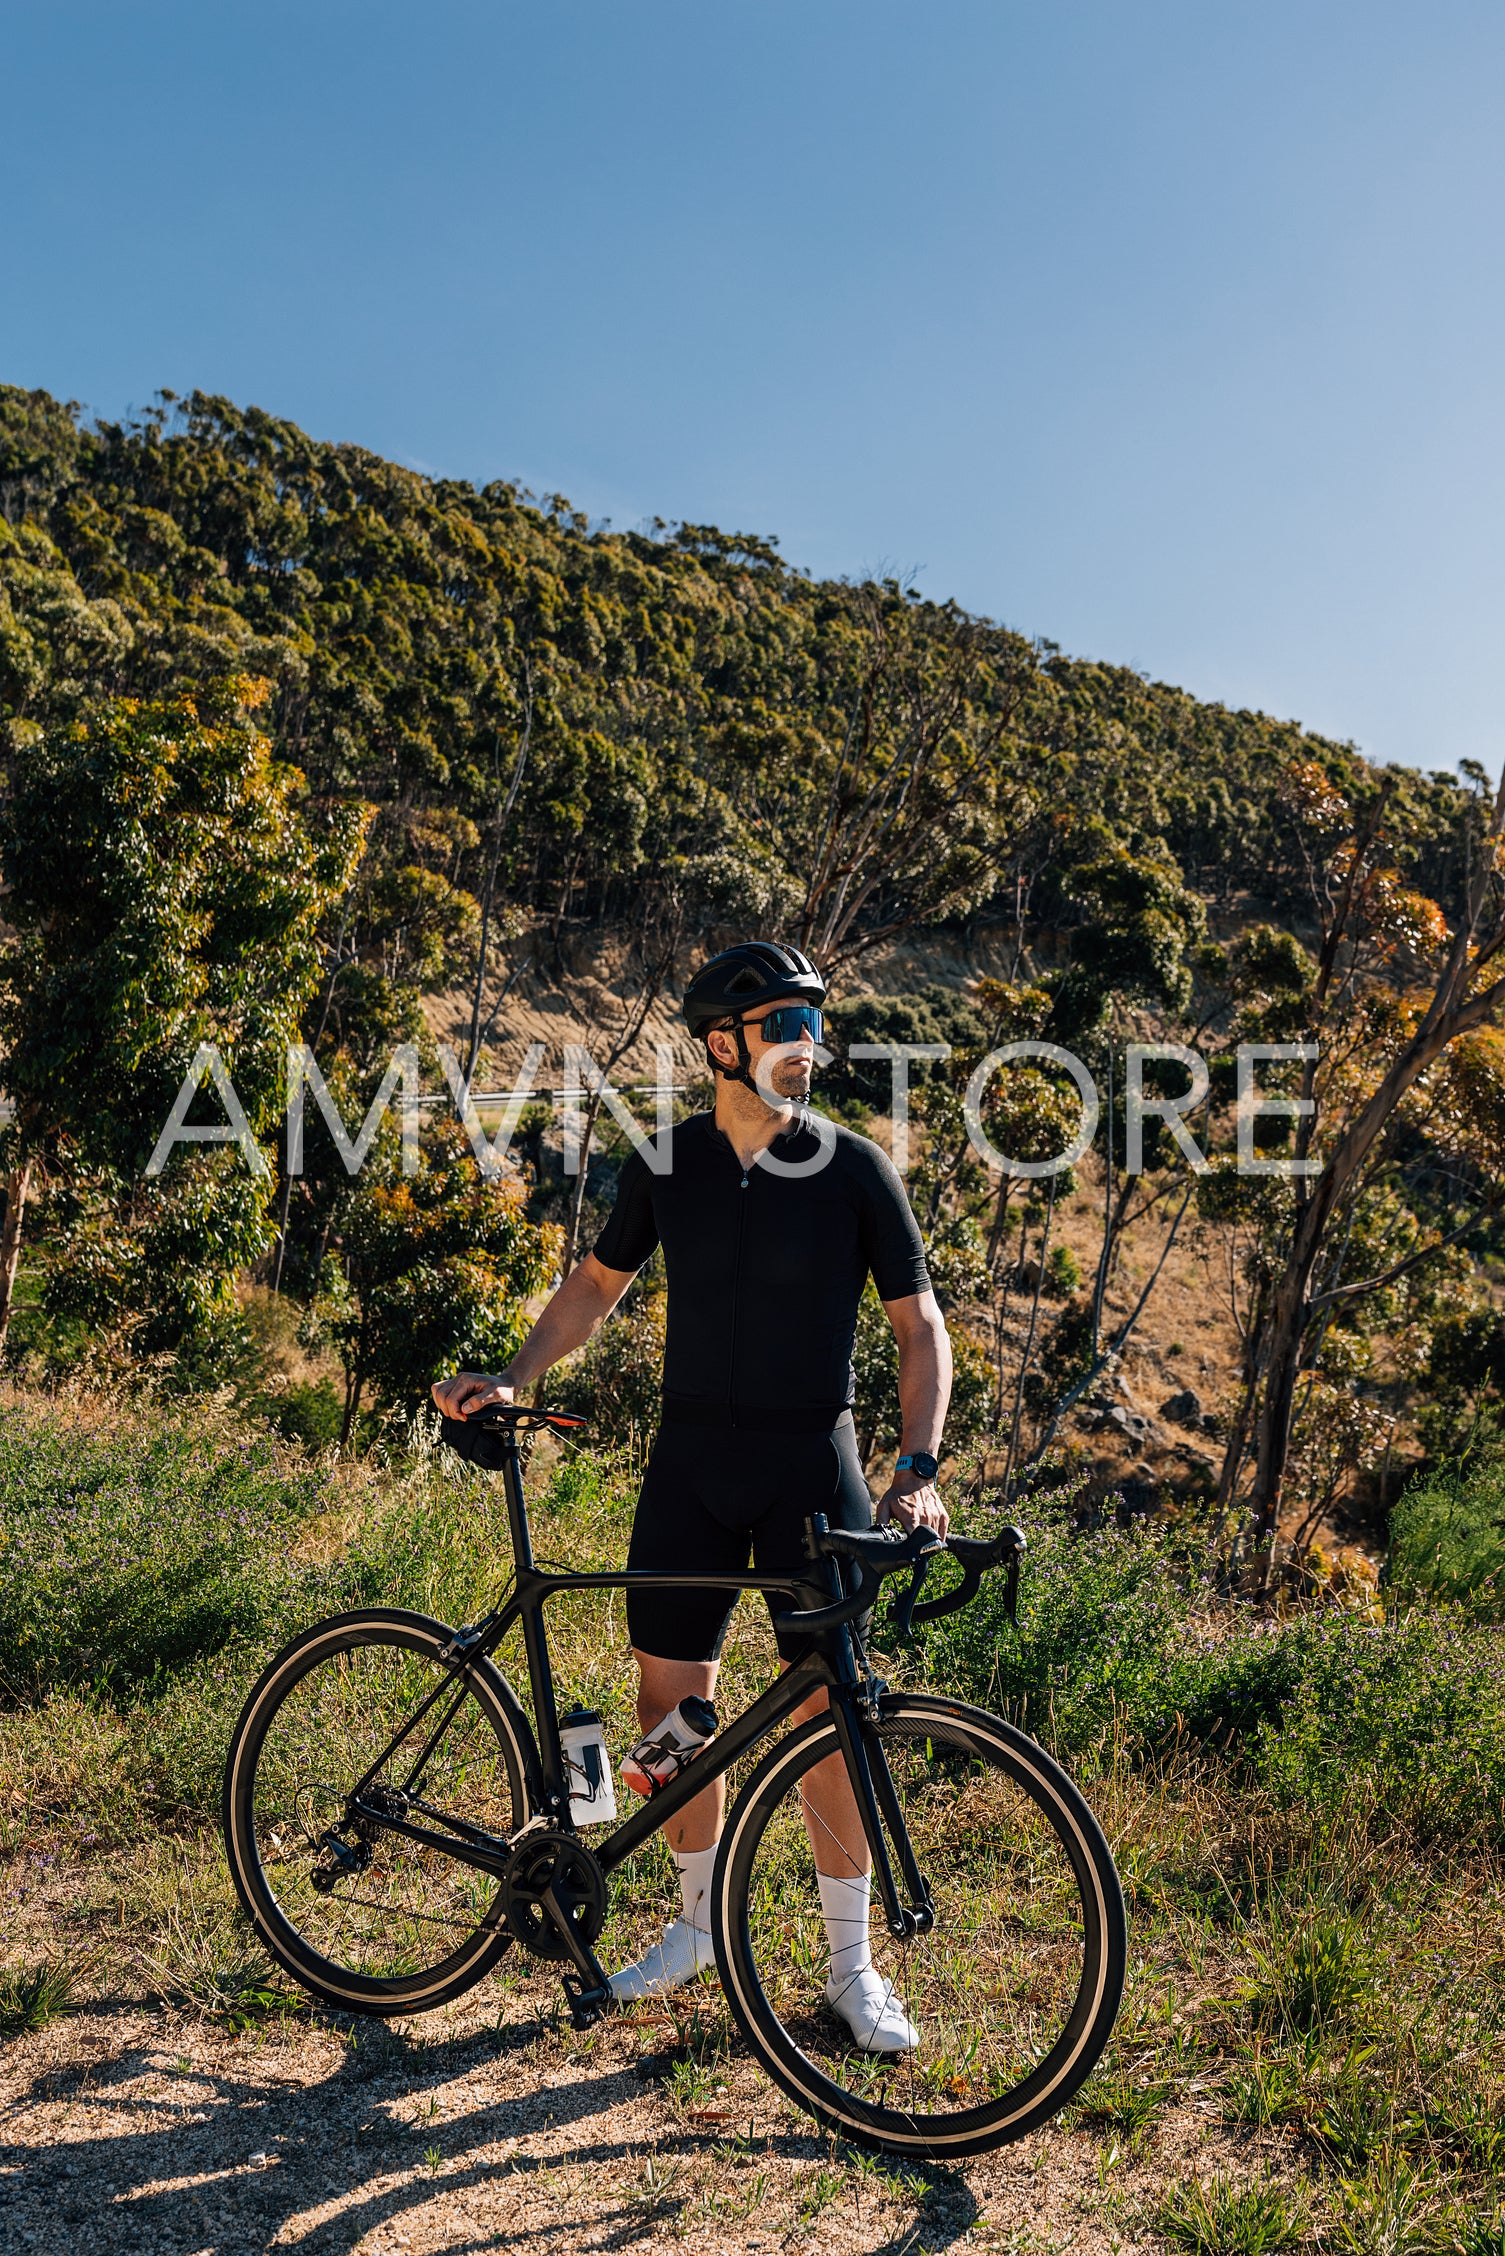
(782, 1067)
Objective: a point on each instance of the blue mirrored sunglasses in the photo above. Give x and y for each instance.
(790, 1022)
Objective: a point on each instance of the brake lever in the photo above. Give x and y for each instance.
(975, 1557)
(904, 1603)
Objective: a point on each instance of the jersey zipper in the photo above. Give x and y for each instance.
(731, 1372)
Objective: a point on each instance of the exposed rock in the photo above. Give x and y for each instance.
(1127, 1422)
(1184, 1409)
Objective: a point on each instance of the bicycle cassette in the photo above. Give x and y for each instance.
(548, 1861)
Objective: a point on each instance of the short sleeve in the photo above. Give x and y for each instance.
(631, 1231)
(895, 1249)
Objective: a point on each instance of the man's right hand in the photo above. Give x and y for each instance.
(469, 1391)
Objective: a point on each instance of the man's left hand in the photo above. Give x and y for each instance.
(913, 1502)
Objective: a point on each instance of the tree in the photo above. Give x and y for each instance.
(1386, 1010)
(437, 1272)
(164, 885)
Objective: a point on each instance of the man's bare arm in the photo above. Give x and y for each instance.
(924, 1392)
(589, 1294)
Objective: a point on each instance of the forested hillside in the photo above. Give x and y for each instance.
(298, 740)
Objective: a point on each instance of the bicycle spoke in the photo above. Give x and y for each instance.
(989, 1992)
(403, 1912)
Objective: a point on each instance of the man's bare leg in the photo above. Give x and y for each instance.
(831, 1818)
(866, 1999)
(684, 1950)
(661, 1686)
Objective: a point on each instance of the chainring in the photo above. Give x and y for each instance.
(552, 1857)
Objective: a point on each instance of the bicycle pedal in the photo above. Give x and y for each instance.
(586, 2002)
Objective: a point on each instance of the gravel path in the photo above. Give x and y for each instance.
(132, 2128)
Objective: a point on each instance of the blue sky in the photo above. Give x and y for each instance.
(1171, 332)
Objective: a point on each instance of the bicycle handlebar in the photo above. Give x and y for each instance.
(881, 1552)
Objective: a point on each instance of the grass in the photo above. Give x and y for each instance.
(1117, 2100)
(36, 1997)
(1219, 2218)
(1306, 1813)
(1311, 1974)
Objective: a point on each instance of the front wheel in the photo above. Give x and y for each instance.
(362, 1916)
(1012, 1992)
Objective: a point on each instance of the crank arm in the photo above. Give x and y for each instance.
(587, 1990)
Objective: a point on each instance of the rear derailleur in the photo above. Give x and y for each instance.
(341, 1858)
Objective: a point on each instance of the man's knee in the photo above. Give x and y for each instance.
(663, 1683)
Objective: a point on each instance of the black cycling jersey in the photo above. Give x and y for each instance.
(765, 1269)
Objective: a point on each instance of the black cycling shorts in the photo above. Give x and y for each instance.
(714, 1498)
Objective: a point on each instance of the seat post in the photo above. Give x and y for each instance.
(517, 1509)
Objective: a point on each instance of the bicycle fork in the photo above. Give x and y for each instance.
(879, 1809)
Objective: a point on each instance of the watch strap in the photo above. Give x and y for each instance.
(918, 1461)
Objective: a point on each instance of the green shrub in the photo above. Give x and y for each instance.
(933, 1013)
(1102, 1624)
(1063, 1273)
(614, 1382)
(131, 1550)
(1404, 1721)
(1447, 1537)
(312, 1413)
(1401, 1722)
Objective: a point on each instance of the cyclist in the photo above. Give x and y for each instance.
(771, 1220)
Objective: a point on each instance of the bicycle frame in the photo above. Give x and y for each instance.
(831, 1665)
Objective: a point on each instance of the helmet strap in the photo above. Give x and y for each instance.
(742, 1070)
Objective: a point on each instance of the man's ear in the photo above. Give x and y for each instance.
(721, 1045)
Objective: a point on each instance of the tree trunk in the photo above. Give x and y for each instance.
(577, 1202)
(17, 1184)
(1238, 1433)
(488, 901)
(353, 1384)
(1288, 1315)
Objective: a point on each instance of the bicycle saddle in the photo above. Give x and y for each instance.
(486, 1438)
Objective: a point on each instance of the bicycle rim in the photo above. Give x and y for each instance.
(407, 1927)
(1012, 1993)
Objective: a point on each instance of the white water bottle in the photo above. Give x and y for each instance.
(662, 1755)
(587, 1767)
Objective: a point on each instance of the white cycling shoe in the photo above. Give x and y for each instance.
(681, 1953)
(871, 2010)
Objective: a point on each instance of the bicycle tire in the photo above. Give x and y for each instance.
(271, 1783)
(768, 1936)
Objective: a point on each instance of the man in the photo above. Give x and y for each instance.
(771, 1220)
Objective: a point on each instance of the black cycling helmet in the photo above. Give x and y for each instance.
(755, 971)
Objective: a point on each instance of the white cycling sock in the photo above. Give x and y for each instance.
(695, 1867)
(844, 1901)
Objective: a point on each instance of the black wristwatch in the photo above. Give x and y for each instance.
(918, 1461)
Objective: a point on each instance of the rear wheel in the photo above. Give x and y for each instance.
(1012, 1992)
(362, 1916)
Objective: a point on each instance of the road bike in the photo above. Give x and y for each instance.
(396, 1821)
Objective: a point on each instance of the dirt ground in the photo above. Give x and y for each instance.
(486, 2127)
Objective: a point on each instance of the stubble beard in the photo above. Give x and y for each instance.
(791, 1079)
